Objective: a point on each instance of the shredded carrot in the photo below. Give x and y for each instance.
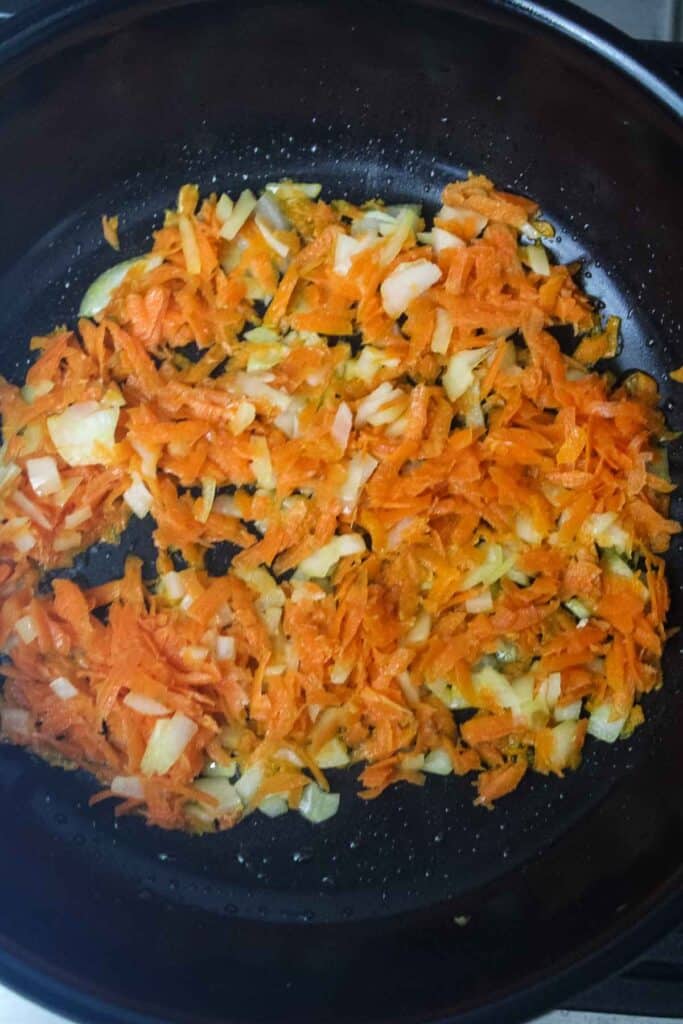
(378, 489)
(110, 230)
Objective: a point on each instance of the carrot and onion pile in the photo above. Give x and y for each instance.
(447, 534)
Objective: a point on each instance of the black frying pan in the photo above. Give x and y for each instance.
(107, 107)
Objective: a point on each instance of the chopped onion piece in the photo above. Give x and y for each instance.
(273, 806)
(526, 530)
(360, 469)
(443, 329)
(536, 258)
(188, 240)
(242, 418)
(256, 387)
(567, 712)
(261, 335)
(225, 648)
(459, 375)
(100, 291)
(448, 694)
(130, 787)
(443, 240)
(31, 510)
(30, 392)
(492, 686)
(334, 754)
(15, 722)
(138, 498)
(324, 560)
(222, 790)
(406, 283)
(273, 241)
(604, 723)
(341, 425)
(345, 248)
(145, 705)
(438, 762)
(420, 630)
(467, 223)
(78, 516)
(368, 363)
(479, 603)
(309, 189)
(26, 629)
(84, 433)
(43, 475)
(207, 499)
(269, 210)
(172, 586)
(166, 744)
(316, 805)
(261, 465)
(241, 212)
(63, 688)
(398, 236)
(224, 208)
(383, 405)
(248, 783)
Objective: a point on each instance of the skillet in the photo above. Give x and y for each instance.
(418, 906)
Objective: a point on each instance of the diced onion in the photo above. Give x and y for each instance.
(536, 258)
(225, 648)
(138, 498)
(188, 241)
(84, 433)
(479, 603)
(605, 724)
(255, 387)
(398, 236)
(491, 684)
(222, 790)
(368, 363)
(207, 499)
(167, 742)
(249, 782)
(100, 291)
(15, 721)
(323, 561)
(360, 469)
(309, 189)
(240, 213)
(78, 516)
(567, 712)
(341, 425)
(273, 806)
(269, 210)
(261, 465)
(383, 405)
(261, 335)
(419, 633)
(438, 762)
(406, 283)
(443, 329)
(495, 565)
(63, 688)
(345, 248)
(448, 694)
(31, 510)
(526, 530)
(26, 629)
(145, 705)
(467, 223)
(224, 208)
(459, 374)
(43, 475)
(242, 418)
(172, 586)
(333, 754)
(273, 241)
(130, 787)
(316, 805)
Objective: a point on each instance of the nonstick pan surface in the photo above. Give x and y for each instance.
(417, 906)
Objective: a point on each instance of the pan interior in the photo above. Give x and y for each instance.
(396, 107)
